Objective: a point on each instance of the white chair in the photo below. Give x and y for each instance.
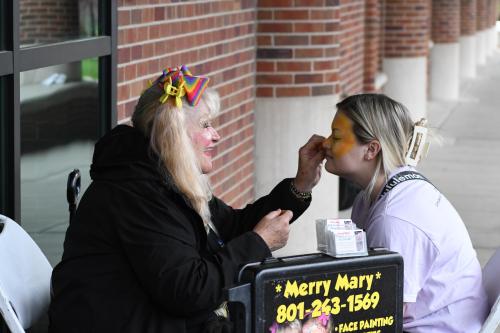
(491, 280)
(24, 277)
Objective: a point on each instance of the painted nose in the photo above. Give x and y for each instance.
(326, 143)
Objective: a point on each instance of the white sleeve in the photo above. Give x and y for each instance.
(417, 250)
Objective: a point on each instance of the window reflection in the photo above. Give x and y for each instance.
(59, 125)
(50, 21)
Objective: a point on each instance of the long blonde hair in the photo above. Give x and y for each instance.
(166, 125)
(378, 117)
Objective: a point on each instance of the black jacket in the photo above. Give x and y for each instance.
(136, 257)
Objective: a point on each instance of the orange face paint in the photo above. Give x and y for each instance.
(342, 139)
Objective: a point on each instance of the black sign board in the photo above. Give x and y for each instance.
(318, 293)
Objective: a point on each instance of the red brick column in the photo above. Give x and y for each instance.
(214, 38)
(482, 15)
(299, 74)
(445, 21)
(468, 10)
(406, 43)
(495, 12)
(373, 23)
(492, 19)
(492, 13)
(445, 53)
(406, 28)
(481, 34)
(352, 28)
(468, 39)
(297, 48)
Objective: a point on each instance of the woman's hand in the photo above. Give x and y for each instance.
(274, 228)
(311, 156)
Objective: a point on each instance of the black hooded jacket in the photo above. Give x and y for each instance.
(136, 257)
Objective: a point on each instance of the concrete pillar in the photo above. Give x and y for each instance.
(282, 126)
(493, 40)
(406, 44)
(297, 87)
(495, 23)
(467, 40)
(481, 44)
(481, 38)
(445, 53)
(496, 36)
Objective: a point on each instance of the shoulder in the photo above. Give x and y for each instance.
(395, 226)
(402, 236)
(140, 204)
(417, 208)
(413, 201)
(133, 192)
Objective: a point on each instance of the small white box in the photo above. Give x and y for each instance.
(340, 238)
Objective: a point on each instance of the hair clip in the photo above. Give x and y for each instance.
(418, 145)
(170, 90)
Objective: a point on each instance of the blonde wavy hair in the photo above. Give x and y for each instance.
(378, 117)
(167, 127)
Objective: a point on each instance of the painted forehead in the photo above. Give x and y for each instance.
(341, 123)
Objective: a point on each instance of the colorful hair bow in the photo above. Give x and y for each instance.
(179, 82)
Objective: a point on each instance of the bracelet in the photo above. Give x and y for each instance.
(304, 196)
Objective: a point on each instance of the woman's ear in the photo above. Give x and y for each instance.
(373, 148)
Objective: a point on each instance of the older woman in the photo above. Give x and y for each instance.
(372, 144)
(150, 248)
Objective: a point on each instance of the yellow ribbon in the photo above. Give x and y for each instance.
(170, 90)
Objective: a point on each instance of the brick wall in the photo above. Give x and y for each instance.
(381, 45)
(406, 28)
(482, 15)
(263, 48)
(48, 21)
(352, 27)
(216, 39)
(298, 48)
(292, 46)
(445, 21)
(372, 47)
(468, 9)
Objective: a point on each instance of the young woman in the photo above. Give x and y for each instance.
(150, 248)
(402, 211)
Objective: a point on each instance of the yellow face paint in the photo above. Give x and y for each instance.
(342, 139)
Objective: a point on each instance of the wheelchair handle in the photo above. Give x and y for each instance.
(73, 187)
